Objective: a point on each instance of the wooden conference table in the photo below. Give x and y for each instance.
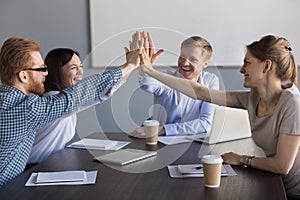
(127, 183)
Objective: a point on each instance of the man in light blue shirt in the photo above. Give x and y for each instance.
(177, 113)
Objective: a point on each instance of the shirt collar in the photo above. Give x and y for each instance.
(7, 88)
(200, 80)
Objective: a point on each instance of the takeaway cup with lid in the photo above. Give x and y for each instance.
(151, 131)
(212, 167)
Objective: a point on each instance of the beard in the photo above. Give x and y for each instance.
(36, 87)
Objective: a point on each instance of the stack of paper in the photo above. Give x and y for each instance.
(170, 140)
(176, 139)
(196, 169)
(64, 176)
(190, 169)
(80, 177)
(89, 143)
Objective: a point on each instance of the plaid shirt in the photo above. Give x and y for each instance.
(21, 115)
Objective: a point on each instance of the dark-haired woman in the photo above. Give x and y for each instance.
(64, 69)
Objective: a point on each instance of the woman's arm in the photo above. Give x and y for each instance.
(283, 160)
(187, 87)
(280, 163)
(193, 89)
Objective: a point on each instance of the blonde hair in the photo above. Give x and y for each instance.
(15, 56)
(278, 50)
(196, 41)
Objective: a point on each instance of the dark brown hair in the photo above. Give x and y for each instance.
(55, 60)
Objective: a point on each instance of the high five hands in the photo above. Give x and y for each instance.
(143, 44)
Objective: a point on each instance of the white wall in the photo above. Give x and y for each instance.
(229, 25)
(65, 23)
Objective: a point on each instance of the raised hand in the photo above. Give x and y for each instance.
(149, 47)
(132, 54)
(153, 56)
(147, 52)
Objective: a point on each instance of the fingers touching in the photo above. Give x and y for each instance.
(143, 40)
(135, 41)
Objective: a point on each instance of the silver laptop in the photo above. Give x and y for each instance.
(228, 124)
(125, 156)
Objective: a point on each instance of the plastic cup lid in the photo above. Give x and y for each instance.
(151, 123)
(212, 159)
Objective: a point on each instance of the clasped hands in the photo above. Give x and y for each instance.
(141, 51)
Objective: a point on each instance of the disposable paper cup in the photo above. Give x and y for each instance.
(151, 131)
(212, 167)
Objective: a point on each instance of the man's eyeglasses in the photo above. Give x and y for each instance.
(40, 69)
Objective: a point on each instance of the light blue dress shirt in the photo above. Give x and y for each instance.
(179, 113)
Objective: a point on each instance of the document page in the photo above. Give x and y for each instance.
(97, 144)
(169, 140)
(63, 176)
(90, 178)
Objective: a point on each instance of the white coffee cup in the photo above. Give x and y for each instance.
(151, 131)
(212, 167)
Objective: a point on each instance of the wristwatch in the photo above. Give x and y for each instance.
(248, 160)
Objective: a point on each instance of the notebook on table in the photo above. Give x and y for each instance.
(125, 156)
(228, 124)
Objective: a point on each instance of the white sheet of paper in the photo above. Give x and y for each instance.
(97, 144)
(192, 169)
(90, 179)
(62, 176)
(169, 140)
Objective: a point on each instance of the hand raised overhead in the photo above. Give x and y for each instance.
(132, 54)
(147, 52)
